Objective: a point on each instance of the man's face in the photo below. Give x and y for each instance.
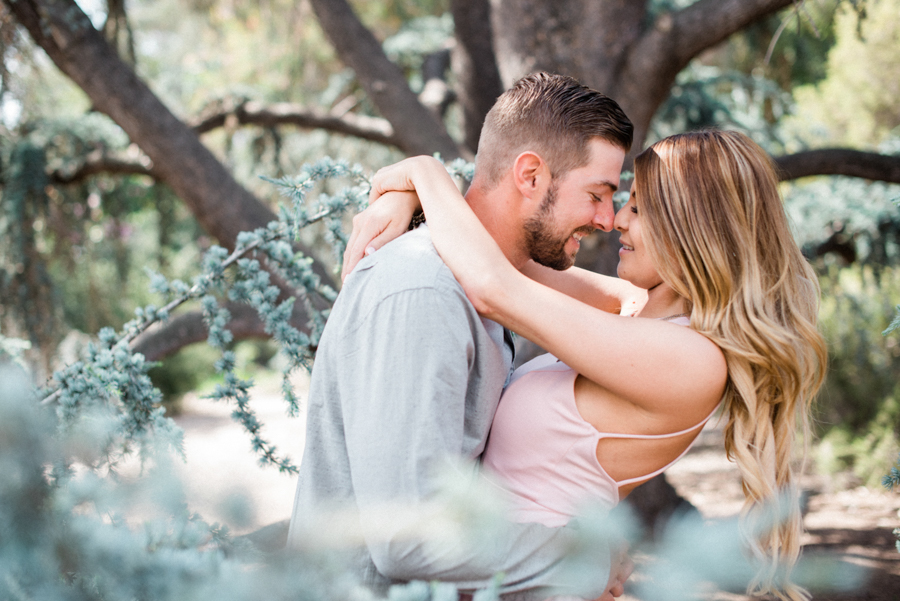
(574, 206)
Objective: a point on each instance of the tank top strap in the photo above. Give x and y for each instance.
(657, 437)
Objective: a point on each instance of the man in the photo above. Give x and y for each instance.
(408, 375)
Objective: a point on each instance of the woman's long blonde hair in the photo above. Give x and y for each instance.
(720, 238)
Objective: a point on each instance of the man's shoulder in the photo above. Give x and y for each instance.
(406, 263)
(403, 282)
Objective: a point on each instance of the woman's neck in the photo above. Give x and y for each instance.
(662, 301)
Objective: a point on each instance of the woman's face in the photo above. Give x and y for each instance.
(635, 263)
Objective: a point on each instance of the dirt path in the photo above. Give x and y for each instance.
(853, 528)
(222, 474)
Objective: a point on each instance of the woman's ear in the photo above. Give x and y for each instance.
(531, 175)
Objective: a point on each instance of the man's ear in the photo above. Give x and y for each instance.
(531, 175)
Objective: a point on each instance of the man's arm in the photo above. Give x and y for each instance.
(412, 365)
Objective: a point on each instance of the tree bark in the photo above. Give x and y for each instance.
(840, 161)
(478, 81)
(664, 48)
(365, 127)
(613, 47)
(168, 338)
(417, 129)
(586, 40)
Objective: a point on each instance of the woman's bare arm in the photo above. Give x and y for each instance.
(667, 370)
(659, 367)
(604, 292)
(388, 218)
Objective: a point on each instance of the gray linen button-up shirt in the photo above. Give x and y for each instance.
(408, 375)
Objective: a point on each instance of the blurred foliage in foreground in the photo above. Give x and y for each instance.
(66, 532)
(73, 527)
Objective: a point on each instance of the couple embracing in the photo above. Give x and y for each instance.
(714, 309)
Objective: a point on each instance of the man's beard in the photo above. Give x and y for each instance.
(544, 245)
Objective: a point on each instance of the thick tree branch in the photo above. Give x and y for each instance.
(417, 129)
(285, 113)
(188, 328)
(100, 165)
(671, 43)
(374, 129)
(840, 161)
(478, 82)
(706, 23)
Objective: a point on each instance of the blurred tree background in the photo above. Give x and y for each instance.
(134, 135)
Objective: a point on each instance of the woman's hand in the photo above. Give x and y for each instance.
(459, 237)
(393, 187)
(380, 223)
(401, 176)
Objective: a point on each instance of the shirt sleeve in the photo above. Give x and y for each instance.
(412, 358)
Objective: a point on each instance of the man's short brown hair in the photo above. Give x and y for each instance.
(554, 116)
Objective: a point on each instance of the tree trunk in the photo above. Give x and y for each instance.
(474, 65)
(587, 40)
(615, 46)
(414, 125)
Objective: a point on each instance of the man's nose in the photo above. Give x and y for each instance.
(604, 216)
(620, 222)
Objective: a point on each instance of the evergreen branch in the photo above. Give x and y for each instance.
(115, 375)
(149, 315)
(262, 262)
(892, 479)
(895, 323)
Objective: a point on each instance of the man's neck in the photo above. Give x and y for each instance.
(497, 212)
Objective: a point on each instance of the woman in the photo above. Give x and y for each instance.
(704, 232)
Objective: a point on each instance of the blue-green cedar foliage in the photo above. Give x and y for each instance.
(64, 534)
(111, 373)
(890, 481)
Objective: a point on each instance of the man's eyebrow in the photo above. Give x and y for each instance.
(606, 183)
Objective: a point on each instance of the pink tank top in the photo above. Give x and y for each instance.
(545, 453)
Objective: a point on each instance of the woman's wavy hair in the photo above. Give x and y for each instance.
(720, 238)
